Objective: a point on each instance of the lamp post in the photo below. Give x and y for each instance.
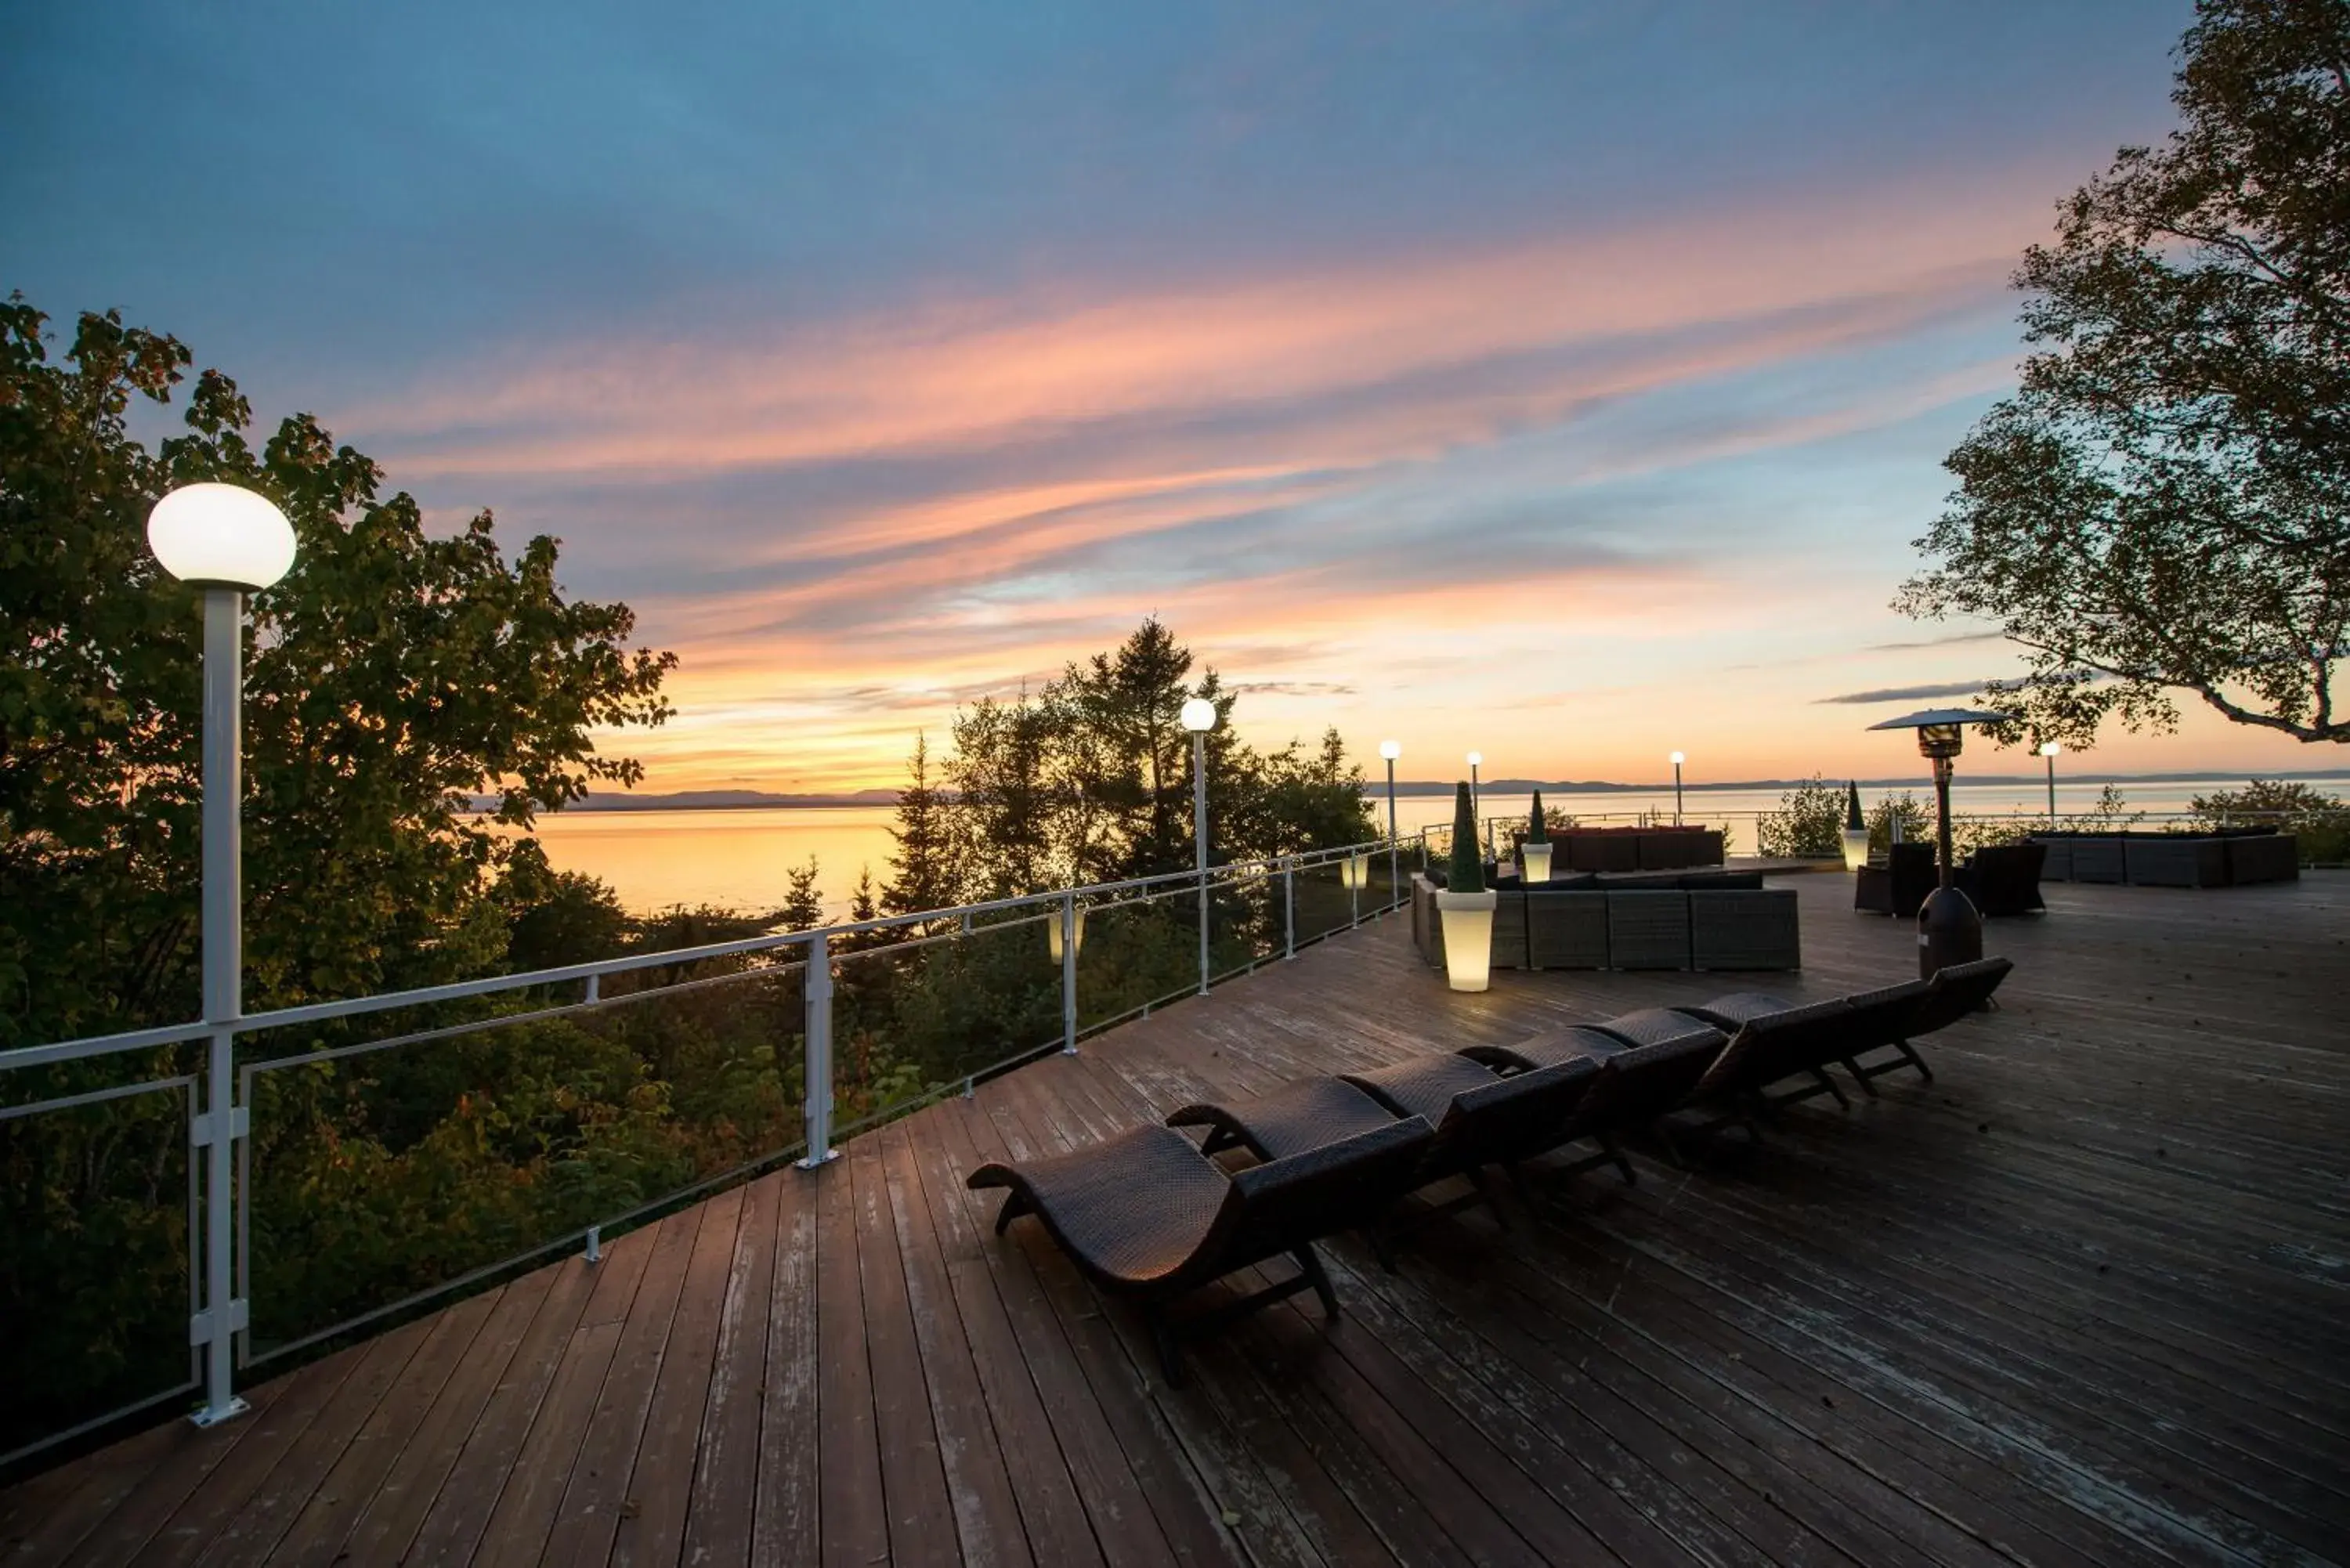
(1200, 717)
(1949, 932)
(1391, 751)
(228, 542)
(2049, 749)
(1678, 760)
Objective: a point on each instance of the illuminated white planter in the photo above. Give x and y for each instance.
(1355, 872)
(1053, 933)
(1856, 848)
(1536, 859)
(1468, 936)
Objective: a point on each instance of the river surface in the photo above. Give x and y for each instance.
(655, 859)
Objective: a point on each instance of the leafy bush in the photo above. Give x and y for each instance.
(1809, 822)
(2320, 821)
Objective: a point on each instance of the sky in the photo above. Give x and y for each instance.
(1564, 381)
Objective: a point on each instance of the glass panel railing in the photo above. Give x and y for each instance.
(96, 1281)
(385, 1172)
(1141, 951)
(923, 1015)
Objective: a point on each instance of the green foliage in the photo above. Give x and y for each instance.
(392, 675)
(1917, 822)
(2319, 819)
(1809, 822)
(1852, 821)
(1467, 872)
(556, 918)
(1090, 781)
(2161, 506)
(1538, 824)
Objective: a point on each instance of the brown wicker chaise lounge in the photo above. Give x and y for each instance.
(1794, 1039)
(1146, 1216)
(1480, 1118)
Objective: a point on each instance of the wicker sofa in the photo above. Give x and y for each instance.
(2235, 858)
(1695, 919)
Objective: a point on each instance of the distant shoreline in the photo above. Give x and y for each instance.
(759, 800)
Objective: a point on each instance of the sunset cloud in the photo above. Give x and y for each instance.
(1568, 382)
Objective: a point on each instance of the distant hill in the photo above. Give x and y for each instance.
(754, 799)
(715, 800)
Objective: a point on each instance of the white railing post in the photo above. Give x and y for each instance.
(1288, 907)
(816, 1073)
(222, 899)
(1068, 919)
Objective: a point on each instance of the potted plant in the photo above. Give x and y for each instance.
(1533, 849)
(1855, 830)
(1466, 904)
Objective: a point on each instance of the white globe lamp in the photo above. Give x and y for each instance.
(221, 535)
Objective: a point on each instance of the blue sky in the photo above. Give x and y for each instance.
(1566, 382)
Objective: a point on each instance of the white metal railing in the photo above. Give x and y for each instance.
(1500, 834)
(223, 1091)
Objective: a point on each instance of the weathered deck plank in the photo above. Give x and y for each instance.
(2078, 1301)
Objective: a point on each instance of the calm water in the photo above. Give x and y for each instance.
(657, 858)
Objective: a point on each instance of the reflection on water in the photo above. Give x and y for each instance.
(657, 858)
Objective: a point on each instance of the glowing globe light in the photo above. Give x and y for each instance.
(1199, 715)
(221, 535)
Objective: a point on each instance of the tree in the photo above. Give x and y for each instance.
(392, 675)
(2164, 505)
(923, 871)
(803, 906)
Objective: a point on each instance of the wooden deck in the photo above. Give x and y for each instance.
(2085, 1300)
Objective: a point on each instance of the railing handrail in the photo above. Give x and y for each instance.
(96, 1046)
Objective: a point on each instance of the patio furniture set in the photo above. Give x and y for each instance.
(1635, 848)
(1151, 1216)
(1700, 919)
(2231, 858)
(1999, 879)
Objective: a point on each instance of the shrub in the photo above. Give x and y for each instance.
(1467, 873)
(1809, 822)
(2320, 821)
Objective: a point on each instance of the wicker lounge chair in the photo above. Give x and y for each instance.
(1660, 1026)
(1951, 995)
(1481, 1118)
(1545, 1050)
(1770, 1041)
(1641, 1086)
(1146, 1216)
(1306, 1115)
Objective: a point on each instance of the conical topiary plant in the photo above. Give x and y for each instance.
(1537, 831)
(1467, 873)
(1854, 821)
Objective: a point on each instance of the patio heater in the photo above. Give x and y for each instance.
(228, 542)
(2049, 749)
(1678, 760)
(1200, 717)
(1476, 798)
(1949, 932)
(1391, 751)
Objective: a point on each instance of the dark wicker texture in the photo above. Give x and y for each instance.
(1306, 1115)
(1659, 1026)
(1423, 1086)
(1145, 1214)
(1546, 1050)
(1649, 930)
